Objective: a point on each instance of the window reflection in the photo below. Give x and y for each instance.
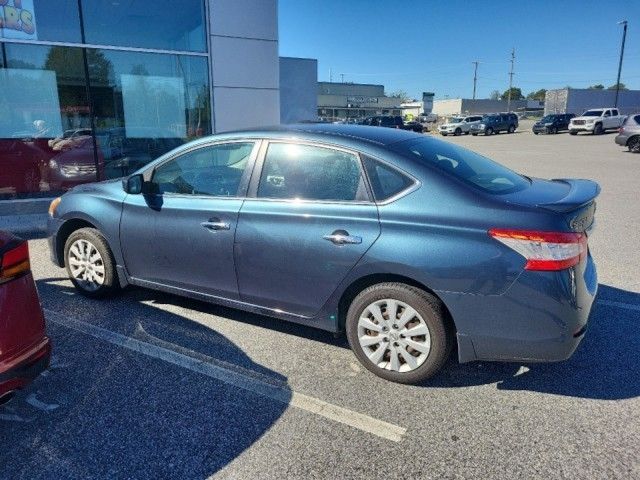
(160, 24)
(146, 105)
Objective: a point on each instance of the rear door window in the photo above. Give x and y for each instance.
(308, 172)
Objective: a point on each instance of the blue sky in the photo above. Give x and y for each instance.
(417, 46)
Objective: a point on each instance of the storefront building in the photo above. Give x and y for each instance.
(340, 101)
(95, 89)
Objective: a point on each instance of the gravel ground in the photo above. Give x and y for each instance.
(111, 409)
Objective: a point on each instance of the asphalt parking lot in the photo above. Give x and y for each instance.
(148, 385)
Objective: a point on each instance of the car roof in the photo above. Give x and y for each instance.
(328, 131)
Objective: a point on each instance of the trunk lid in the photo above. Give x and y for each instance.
(573, 198)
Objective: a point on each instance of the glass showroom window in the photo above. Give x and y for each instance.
(57, 20)
(45, 127)
(146, 104)
(159, 24)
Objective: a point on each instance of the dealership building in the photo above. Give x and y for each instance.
(95, 89)
(355, 100)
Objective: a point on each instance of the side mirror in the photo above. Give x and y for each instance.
(133, 184)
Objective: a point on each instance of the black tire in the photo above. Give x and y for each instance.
(474, 134)
(634, 144)
(443, 134)
(571, 132)
(488, 131)
(457, 132)
(110, 282)
(427, 306)
(598, 130)
(511, 129)
(535, 133)
(553, 130)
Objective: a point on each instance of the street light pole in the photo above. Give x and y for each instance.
(624, 36)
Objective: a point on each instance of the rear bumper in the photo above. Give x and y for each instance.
(20, 370)
(542, 317)
(621, 140)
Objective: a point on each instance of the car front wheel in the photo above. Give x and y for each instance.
(90, 264)
(398, 332)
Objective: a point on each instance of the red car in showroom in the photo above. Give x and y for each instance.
(25, 349)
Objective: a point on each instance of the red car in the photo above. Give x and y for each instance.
(25, 349)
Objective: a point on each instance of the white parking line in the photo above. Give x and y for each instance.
(626, 306)
(209, 367)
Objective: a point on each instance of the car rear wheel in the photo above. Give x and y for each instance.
(398, 332)
(511, 129)
(474, 134)
(634, 145)
(571, 132)
(90, 264)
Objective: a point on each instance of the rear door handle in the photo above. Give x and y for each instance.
(342, 237)
(215, 224)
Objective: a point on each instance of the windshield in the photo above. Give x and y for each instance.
(471, 168)
(455, 120)
(592, 113)
(548, 118)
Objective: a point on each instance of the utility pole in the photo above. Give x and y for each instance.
(330, 75)
(475, 77)
(624, 36)
(513, 58)
(342, 77)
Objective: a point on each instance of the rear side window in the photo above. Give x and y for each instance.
(386, 182)
(465, 165)
(636, 119)
(308, 172)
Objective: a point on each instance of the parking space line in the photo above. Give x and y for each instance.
(626, 306)
(207, 366)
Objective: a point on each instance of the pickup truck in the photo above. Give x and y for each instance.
(596, 121)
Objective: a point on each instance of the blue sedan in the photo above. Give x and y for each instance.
(406, 243)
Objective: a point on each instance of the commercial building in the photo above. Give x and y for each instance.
(468, 106)
(95, 89)
(355, 100)
(574, 100)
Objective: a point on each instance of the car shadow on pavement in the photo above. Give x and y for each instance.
(104, 411)
(606, 364)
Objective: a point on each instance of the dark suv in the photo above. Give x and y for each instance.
(387, 121)
(553, 123)
(496, 123)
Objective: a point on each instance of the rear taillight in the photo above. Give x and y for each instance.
(550, 251)
(15, 262)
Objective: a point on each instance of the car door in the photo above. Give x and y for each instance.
(306, 222)
(180, 232)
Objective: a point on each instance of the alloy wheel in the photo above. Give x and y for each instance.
(86, 265)
(634, 145)
(393, 335)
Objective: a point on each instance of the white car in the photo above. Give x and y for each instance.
(459, 125)
(596, 121)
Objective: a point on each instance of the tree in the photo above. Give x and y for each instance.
(516, 94)
(597, 86)
(622, 86)
(539, 95)
(495, 95)
(401, 94)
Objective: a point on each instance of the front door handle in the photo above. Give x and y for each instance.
(342, 237)
(215, 224)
